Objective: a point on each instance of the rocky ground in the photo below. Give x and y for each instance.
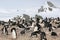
(27, 35)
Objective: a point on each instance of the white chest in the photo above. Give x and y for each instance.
(13, 34)
(35, 29)
(4, 30)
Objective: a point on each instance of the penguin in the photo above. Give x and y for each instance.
(54, 34)
(13, 32)
(4, 30)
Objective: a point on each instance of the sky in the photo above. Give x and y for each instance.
(12, 8)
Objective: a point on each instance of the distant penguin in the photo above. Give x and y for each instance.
(4, 30)
(13, 32)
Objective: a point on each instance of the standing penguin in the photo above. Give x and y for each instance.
(13, 32)
(4, 30)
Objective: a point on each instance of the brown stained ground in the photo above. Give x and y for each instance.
(27, 35)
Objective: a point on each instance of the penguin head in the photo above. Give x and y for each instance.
(13, 29)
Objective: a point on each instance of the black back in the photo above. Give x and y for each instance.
(13, 29)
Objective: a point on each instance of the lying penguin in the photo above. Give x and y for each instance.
(13, 32)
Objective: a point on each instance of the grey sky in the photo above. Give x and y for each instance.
(24, 3)
(8, 8)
